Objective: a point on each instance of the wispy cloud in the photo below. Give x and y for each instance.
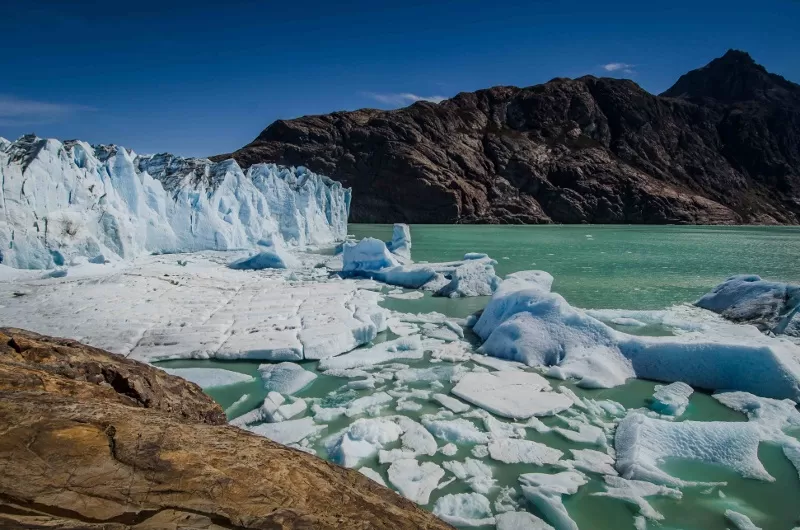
(16, 111)
(401, 99)
(625, 68)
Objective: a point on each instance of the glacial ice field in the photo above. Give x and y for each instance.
(537, 413)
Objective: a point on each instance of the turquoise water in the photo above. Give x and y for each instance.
(617, 267)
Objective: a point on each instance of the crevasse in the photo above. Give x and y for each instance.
(60, 201)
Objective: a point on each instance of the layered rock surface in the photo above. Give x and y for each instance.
(719, 147)
(93, 440)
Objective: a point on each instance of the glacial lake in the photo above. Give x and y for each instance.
(595, 267)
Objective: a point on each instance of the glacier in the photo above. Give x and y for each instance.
(60, 201)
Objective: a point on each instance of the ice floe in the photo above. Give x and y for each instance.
(635, 492)
(415, 481)
(464, 509)
(520, 521)
(671, 399)
(210, 377)
(643, 443)
(287, 432)
(545, 492)
(286, 378)
(474, 473)
(740, 520)
(410, 347)
(512, 394)
(513, 451)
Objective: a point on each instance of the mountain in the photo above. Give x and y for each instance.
(64, 201)
(722, 146)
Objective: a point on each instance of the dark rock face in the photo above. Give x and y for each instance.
(722, 146)
(91, 440)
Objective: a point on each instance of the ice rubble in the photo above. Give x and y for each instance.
(271, 255)
(525, 322)
(210, 377)
(63, 200)
(371, 258)
(642, 443)
(772, 306)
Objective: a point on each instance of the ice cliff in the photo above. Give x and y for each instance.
(60, 201)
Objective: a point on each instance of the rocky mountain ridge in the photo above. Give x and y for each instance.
(722, 146)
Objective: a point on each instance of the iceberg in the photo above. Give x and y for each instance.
(400, 245)
(62, 200)
(671, 399)
(525, 322)
(771, 306)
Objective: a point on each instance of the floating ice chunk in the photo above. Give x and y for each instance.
(475, 255)
(635, 491)
(459, 431)
(512, 451)
(541, 279)
(271, 255)
(473, 278)
(411, 295)
(640, 522)
(401, 329)
(449, 449)
(511, 394)
(445, 334)
(773, 416)
(642, 443)
(362, 439)
(369, 254)
(369, 404)
(415, 481)
(410, 347)
(671, 399)
(544, 491)
(436, 373)
(740, 520)
(454, 352)
(748, 298)
(210, 377)
(588, 434)
(508, 500)
(407, 404)
(287, 432)
(286, 378)
(236, 404)
(451, 403)
(520, 521)
(409, 276)
(476, 474)
(372, 474)
(591, 461)
(401, 241)
(464, 509)
(629, 322)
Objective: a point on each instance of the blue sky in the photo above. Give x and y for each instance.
(198, 79)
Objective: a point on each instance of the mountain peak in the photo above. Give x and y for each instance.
(732, 78)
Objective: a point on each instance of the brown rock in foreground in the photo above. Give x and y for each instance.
(722, 146)
(89, 439)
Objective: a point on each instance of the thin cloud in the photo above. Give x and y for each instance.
(625, 68)
(401, 99)
(20, 111)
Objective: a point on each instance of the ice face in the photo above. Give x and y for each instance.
(64, 200)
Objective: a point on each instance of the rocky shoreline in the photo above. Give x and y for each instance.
(93, 440)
